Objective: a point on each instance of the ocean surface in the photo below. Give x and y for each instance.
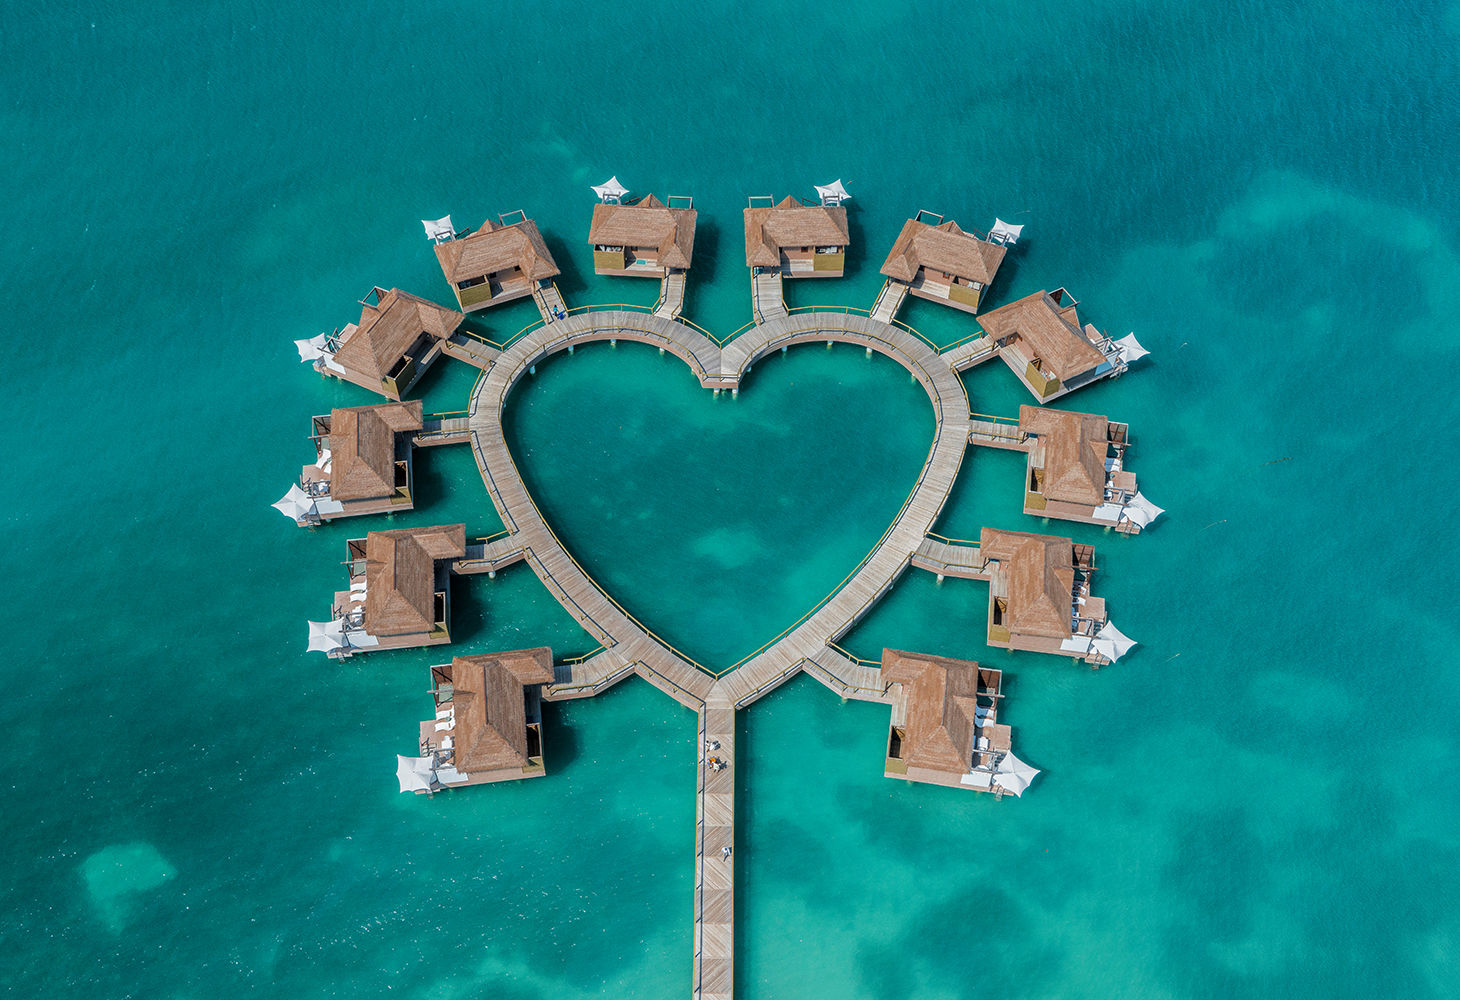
(1260, 801)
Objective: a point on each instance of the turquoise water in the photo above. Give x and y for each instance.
(1258, 802)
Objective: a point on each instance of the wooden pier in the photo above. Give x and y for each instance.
(628, 647)
(671, 295)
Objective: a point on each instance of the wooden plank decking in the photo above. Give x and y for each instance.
(628, 647)
(671, 295)
(767, 301)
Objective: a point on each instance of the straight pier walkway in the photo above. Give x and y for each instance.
(627, 647)
(671, 295)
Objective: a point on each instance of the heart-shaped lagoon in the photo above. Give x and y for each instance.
(718, 521)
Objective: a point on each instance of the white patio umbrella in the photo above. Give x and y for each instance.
(295, 505)
(1004, 233)
(1013, 775)
(1130, 348)
(1111, 643)
(833, 193)
(312, 349)
(610, 191)
(326, 636)
(1141, 511)
(414, 773)
(439, 229)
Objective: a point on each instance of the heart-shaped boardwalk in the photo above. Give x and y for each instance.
(629, 647)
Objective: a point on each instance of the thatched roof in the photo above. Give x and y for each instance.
(791, 224)
(943, 248)
(388, 329)
(400, 575)
(941, 699)
(646, 223)
(490, 715)
(1039, 575)
(1075, 446)
(494, 248)
(362, 446)
(1051, 333)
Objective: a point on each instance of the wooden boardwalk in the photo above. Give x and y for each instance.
(940, 557)
(442, 430)
(889, 300)
(970, 353)
(767, 300)
(671, 295)
(630, 648)
(475, 352)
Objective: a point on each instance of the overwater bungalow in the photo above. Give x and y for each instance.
(1039, 594)
(399, 594)
(1041, 340)
(1076, 468)
(398, 337)
(488, 723)
(646, 239)
(795, 239)
(362, 460)
(944, 728)
(940, 262)
(499, 262)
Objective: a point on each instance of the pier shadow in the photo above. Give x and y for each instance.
(562, 744)
(858, 248)
(571, 280)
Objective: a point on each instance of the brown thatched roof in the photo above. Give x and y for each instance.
(490, 715)
(388, 329)
(362, 448)
(1075, 446)
(942, 695)
(1039, 575)
(496, 248)
(400, 576)
(791, 224)
(1050, 332)
(646, 223)
(943, 248)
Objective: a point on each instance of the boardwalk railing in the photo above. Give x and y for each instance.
(814, 332)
